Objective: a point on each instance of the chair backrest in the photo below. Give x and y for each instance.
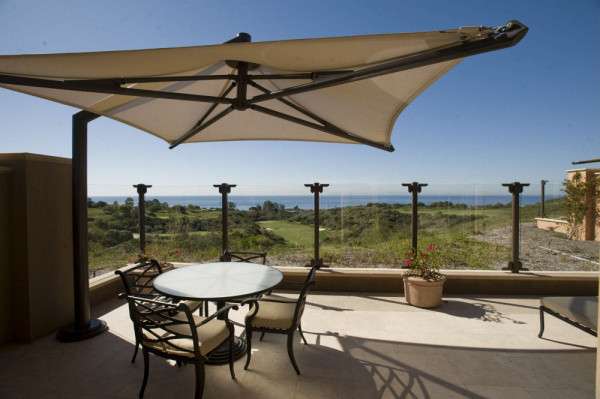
(306, 287)
(137, 280)
(248, 257)
(164, 327)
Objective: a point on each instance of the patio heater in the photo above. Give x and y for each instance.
(142, 189)
(414, 188)
(515, 188)
(317, 188)
(224, 189)
(338, 90)
(543, 198)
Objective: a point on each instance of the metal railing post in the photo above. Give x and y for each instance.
(317, 189)
(515, 188)
(543, 198)
(414, 188)
(83, 326)
(224, 189)
(142, 189)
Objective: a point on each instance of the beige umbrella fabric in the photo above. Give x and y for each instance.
(365, 109)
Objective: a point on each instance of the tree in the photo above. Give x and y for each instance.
(577, 190)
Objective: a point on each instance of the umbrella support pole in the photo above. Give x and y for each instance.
(317, 189)
(142, 189)
(83, 326)
(224, 189)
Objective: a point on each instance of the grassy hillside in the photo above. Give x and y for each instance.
(373, 235)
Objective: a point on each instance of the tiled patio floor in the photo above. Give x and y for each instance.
(360, 346)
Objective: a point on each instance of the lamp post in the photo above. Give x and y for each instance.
(515, 188)
(224, 189)
(414, 188)
(142, 189)
(317, 188)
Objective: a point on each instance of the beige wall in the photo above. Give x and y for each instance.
(556, 225)
(6, 333)
(41, 267)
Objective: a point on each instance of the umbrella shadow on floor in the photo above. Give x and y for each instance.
(398, 369)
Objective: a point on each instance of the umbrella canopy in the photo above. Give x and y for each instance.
(341, 89)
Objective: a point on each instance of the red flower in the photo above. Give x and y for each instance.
(407, 262)
(431, 247)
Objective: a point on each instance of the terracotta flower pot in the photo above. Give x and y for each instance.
(422, 293)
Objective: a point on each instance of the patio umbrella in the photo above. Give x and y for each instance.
(339, 90)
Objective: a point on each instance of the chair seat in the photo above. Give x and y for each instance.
(210, 335)
(192, 305)
(276, 315)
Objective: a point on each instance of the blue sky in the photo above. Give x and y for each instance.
(523, 113)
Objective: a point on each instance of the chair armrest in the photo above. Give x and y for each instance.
(276, 300)
(224, 310)
(253, 305)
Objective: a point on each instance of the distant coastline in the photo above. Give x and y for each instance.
(244, 202)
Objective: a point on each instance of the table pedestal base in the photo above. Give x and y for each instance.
(221, 354)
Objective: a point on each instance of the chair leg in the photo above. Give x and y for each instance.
(199, 380)
(135, 351)
(290, 349)
(248, 346)
(231, 338)
(302, 334)
(541, 322)
(146, 371)
(262, 335)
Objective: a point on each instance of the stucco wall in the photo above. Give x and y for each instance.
(6, 333)
(557, 225)
(41, 267)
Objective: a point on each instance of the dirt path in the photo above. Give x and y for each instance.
(546, 250)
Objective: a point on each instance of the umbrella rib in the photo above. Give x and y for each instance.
(210, 110)
(195, 130)
(497, 40)
(298, 108)
(108, 89)
(152, 79)
(158, 79)
(326, 129)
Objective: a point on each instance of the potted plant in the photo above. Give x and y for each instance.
(423, 283)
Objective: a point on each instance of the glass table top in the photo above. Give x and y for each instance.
(217, 281)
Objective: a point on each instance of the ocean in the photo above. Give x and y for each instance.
(243, 202)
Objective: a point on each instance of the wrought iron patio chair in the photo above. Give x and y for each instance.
(137, 280)
(171, 331)
(241, 256)
(278, 315)
(244, 256)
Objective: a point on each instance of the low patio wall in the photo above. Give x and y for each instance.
(459, 282)
(557, 225)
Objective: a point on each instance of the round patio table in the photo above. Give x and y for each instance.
(219, 282)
